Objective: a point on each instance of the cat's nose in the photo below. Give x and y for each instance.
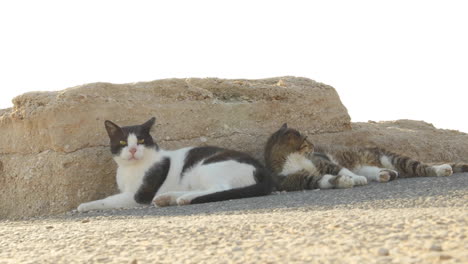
(133, 150)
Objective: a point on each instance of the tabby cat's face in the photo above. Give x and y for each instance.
(130, 143)
(288, 140)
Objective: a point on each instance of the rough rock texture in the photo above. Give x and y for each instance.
(411, 138)
(56, 155)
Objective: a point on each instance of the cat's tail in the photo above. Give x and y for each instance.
(263, 187)
(459, 167)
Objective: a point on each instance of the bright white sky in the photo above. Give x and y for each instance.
(387, 59)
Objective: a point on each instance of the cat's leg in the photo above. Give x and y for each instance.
(296, 181)
(121, 200)
(335, 181)
(408, 167)
(357, 179)
(374, 173)
(443, 170)
(326, 167)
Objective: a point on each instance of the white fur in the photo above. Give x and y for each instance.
(120, 200)
(344, 181)
(370, 172)
(198, 181)
(357, 179)
(386, 162)
(324, 183)
(202, 180)
(443, 170)
(129, 177)
(296, 162)
(374, 173)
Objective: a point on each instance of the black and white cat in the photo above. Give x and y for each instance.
(190, 175)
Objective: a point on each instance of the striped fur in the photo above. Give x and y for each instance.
(459, 167)
(286, 147)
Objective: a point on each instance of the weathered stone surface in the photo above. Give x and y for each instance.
(51, 182)
(416, 139)
(186, 109)
(56, 155)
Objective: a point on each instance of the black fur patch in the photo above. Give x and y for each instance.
(117, 134)
(212, 154)
(196, 155)
(152, 181)
(232, 155)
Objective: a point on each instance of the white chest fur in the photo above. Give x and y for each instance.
(296, 162)
(173, 179)
(130, 175)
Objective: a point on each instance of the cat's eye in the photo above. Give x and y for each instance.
(123, 142)
(141, 141)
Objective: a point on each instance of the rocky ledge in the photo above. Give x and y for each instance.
(56, 153)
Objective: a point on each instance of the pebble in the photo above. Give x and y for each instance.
(435, 247)
(383, 252)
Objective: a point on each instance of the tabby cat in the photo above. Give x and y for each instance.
(147, 173)
(298, 164)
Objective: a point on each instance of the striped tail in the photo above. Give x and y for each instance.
(459, 167)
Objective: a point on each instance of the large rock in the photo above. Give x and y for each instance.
(55, 155)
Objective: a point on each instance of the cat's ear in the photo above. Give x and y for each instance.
(306, 146)
(284, 126)
(113, 130)
(148, 124)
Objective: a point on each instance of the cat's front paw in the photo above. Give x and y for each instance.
(162, 200)
(344, 181)
(84, 207)
(166, 199)
(359, 180)
(443, 170)
(183, 201)
(387, 175)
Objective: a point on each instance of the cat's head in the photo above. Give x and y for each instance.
(130, 143)
(284, 142)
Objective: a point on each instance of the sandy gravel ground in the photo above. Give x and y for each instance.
(405, 221)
